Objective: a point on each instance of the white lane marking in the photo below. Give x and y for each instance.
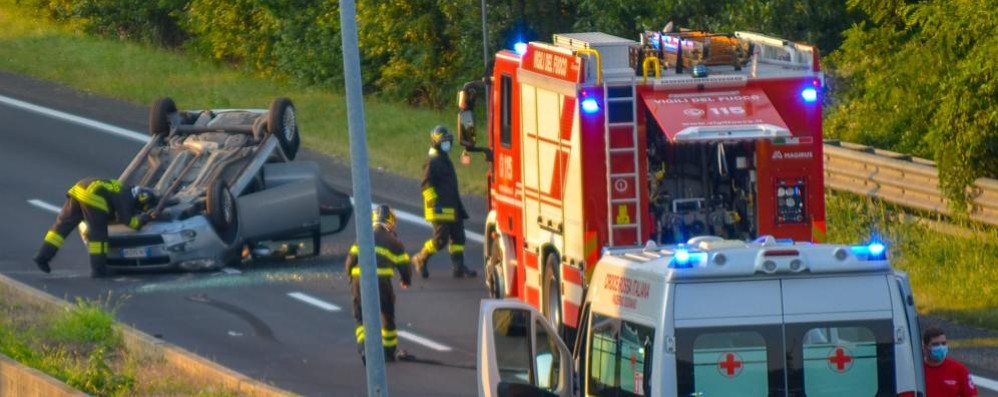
(135, 136)
(423, 341)
(329, 307)
(985, 382)
(229, 270)
(419, 220)
(45, 206)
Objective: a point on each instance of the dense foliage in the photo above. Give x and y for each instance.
(914, 76)
(919, 77)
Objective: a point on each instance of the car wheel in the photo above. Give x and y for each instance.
(221, 211)
(282, 122)
(495, 279)
(552, 293)
(160, 116)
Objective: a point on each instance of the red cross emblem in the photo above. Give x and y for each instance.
(840, 359)
(729, 364)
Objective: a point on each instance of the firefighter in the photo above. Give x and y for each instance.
(98, 202)
(391, 255)
(442, 207)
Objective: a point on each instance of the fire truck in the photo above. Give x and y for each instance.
(597, 141)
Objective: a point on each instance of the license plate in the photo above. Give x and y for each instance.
(134, 252)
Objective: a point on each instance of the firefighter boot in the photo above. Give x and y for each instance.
(419, 264)
(45, 255)
(98, 266)
(460, 270)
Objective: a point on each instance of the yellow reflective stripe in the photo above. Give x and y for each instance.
(111, 185)
(360, 333)
(88, 198)
(382, 272)
(388, 333)
(355, 250)
(134, 222)
(97, 247)
(385, 252)
(455, 248)
(390, 343)
(53, 238)
(445, 214)
(429, 247)
(389, 338)
(429, 194)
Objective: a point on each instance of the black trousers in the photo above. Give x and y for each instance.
(446, 234)
(389, 336)
(72, 213)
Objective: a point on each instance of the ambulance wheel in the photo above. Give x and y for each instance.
(282, 122)
(552, 293)
(495, 277)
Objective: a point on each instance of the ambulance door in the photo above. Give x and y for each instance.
(840, 336)
(729, 339)
(520, 354)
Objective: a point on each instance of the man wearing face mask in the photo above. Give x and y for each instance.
(442, 207)
(944, 377)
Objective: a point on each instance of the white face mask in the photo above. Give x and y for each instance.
(445, 146)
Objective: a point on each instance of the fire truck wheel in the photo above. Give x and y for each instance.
(552, 292)
(495, 277)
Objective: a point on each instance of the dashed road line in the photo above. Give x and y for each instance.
(423, 341)
(329, 307)
(45, 206)
(985, 382)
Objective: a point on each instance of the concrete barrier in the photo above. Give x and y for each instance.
(136, 342)
(17, 380)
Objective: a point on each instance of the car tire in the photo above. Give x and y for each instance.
(221, 211)
(159, 116)
(282, 122)
(495, 275)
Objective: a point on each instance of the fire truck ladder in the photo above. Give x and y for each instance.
(622, 157)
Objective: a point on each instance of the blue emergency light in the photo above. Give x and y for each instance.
(875, 251)
(809, 94)
(590, 105)
(520, 48)
(682, 258)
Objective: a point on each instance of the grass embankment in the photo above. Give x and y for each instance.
(397, 135)
(953, 276)
(81, 347)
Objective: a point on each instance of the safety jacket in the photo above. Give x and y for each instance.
(441, 199)
(390, 254)
(109, 196)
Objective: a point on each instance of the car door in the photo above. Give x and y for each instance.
(520, 354)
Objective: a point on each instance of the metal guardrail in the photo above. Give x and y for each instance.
(901, 179)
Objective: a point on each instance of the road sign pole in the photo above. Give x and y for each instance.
(377, 385)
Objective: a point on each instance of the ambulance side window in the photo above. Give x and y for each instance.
(506, 112)
(842, 359)
(619, 357)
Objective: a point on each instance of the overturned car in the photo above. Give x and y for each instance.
(227, 182)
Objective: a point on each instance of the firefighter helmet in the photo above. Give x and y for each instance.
(145, 197)
(440, 134)
(383, 215)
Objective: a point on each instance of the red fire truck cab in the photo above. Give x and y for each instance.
(597, 141)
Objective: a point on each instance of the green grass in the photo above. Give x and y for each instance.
(81, 347)
(953, 277)
(397, 135)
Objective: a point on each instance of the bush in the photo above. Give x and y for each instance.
(151, 21)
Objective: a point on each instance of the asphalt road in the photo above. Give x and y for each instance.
(288, 323)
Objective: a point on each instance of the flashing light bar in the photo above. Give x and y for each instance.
(590, 105)
(520, 48)
(809, 94)
(875, 251)
(684, 259)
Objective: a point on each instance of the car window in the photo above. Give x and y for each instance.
(619, 357)
(512, 337)
(547, 360)
(730, 361)
(843, 359)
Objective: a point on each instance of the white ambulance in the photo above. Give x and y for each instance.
(714, 318)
